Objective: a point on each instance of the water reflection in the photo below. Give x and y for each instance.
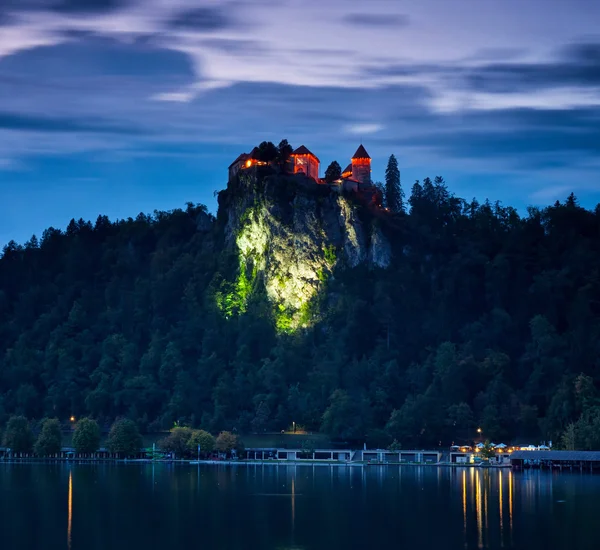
(501, 509)
(464, 494)
(488, 490)
(510, 503)
(478, 507)
(70, 512)
(279, 507)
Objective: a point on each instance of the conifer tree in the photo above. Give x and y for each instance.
(394, 196)
(284, 151)
(333, 172)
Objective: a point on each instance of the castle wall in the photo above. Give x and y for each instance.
(234, 170)
(361, 170)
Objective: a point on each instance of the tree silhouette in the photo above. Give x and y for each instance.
(333, 172)
(394, 195)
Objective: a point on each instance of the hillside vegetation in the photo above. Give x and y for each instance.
(483, 318)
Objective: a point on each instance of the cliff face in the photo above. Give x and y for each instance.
(291, 234)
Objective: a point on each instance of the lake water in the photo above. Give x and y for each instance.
(118, 507)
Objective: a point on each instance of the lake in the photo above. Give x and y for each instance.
(146, 506)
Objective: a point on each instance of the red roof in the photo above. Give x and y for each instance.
(304, 151)
(361, 153)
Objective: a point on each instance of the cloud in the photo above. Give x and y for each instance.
(8, 164)
(5, 18)
(570, 79)
(208, 18)
(13, 121)
(242, 47)
(96, 57)
(87, 6)
(575, 65)
(363, 129)
(155, 74)
(394, 20)
(550, 194)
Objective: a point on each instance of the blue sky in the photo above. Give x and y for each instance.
(120, 106)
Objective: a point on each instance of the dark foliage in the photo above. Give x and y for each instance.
(268, 151)
(284, 151)
(124, 438)
(49, 442)
(18, 436)
(86, 437)
(333, 172)
(485, 318)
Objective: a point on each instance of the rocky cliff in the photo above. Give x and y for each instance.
(291, 235)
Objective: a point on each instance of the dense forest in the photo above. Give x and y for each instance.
(485, 318)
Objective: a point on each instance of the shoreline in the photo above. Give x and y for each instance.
(276, 463)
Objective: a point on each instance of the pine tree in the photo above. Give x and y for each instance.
(394, 196)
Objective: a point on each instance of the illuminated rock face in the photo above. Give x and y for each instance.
(291, 236)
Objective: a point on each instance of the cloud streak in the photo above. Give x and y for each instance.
(86, 6)
(376, 20)
(13, 121)
(213, 18)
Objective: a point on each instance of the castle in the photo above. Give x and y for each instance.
(355, 177)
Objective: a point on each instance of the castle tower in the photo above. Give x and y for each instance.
(306, 163)
(361, 166)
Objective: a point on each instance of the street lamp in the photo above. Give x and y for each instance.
(72, 419)
(294, 427)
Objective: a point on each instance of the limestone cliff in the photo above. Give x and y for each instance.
(292, 234)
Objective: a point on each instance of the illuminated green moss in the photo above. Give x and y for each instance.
(288, 321)
(284, 321)
(330, 255)
(293, 261)
(232, 298)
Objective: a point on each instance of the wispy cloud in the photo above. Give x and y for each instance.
(12, 121)
(363, 129)
(366, 19)
(207, 18)
(552, 193)
(85, 6)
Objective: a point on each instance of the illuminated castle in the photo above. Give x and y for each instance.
(303, 161)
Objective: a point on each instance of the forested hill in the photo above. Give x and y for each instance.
(419, 325)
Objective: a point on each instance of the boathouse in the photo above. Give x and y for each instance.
(560, 460)
(342, 455)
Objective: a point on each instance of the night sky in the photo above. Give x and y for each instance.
(122, 106)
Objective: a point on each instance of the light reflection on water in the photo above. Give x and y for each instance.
(70, 511)
(488, 490)
(297, 508)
